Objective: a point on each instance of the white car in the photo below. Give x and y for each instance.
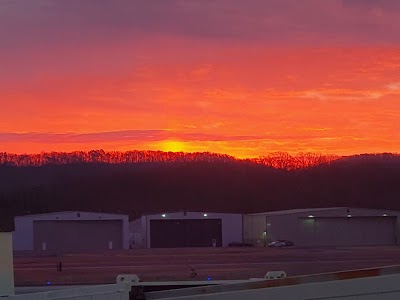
(281, 243)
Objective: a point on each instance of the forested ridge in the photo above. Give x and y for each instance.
(280, 160)
(222, 184)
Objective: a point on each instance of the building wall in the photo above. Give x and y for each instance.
(23, 235)
(6, 265)
(136, 234)
(253, 230)
(296, 226)
(232, 225)
(79, 235)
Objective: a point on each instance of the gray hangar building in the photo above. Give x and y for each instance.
(186, 229)
(71, 231)
(337, 226)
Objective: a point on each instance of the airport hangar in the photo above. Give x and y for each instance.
(186, 229)
(337, 226)
(77, 231)
(71, 231)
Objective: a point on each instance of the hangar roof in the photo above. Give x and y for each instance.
(190, 212)
(322, 209)
(70, 212)
(295, 211)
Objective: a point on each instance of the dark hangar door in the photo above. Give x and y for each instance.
(77, 235)
(185, 233)
(167, 233)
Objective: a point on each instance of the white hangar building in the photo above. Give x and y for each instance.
(337, 226)
(71, 231)
(186, 229)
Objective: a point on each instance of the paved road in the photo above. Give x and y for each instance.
(101, 266)
(175, 264)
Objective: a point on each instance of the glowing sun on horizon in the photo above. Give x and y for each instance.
(173, 146)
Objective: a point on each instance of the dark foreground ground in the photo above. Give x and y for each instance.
(175, 264)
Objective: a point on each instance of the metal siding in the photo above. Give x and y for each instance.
(254, 227)
(77, 235)
(283, 227)
(232, 227)
(288, 226)
(348, 231)
(137, 236)
(23, 235)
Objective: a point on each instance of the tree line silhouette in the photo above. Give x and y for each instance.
(281, 160)
(225, 185)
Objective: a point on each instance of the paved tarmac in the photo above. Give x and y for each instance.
(194, 263)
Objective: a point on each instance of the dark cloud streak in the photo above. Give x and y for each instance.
(273, 21)
(135, 135)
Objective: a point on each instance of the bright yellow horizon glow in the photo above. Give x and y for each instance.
(172, 146)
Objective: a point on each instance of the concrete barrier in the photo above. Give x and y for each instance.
(100, 292)
(377, 288)
(378, 283)
(368, 284)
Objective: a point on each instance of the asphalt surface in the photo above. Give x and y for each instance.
(194, 264)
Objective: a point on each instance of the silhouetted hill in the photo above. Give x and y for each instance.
(229, 185)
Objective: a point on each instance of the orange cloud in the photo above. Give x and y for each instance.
(331, 100)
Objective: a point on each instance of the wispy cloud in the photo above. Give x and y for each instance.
(342, 94)
(118, 136)
(394, 86)
(143, 136)
(132, 135)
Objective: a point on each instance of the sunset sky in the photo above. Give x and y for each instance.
(241, 77)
